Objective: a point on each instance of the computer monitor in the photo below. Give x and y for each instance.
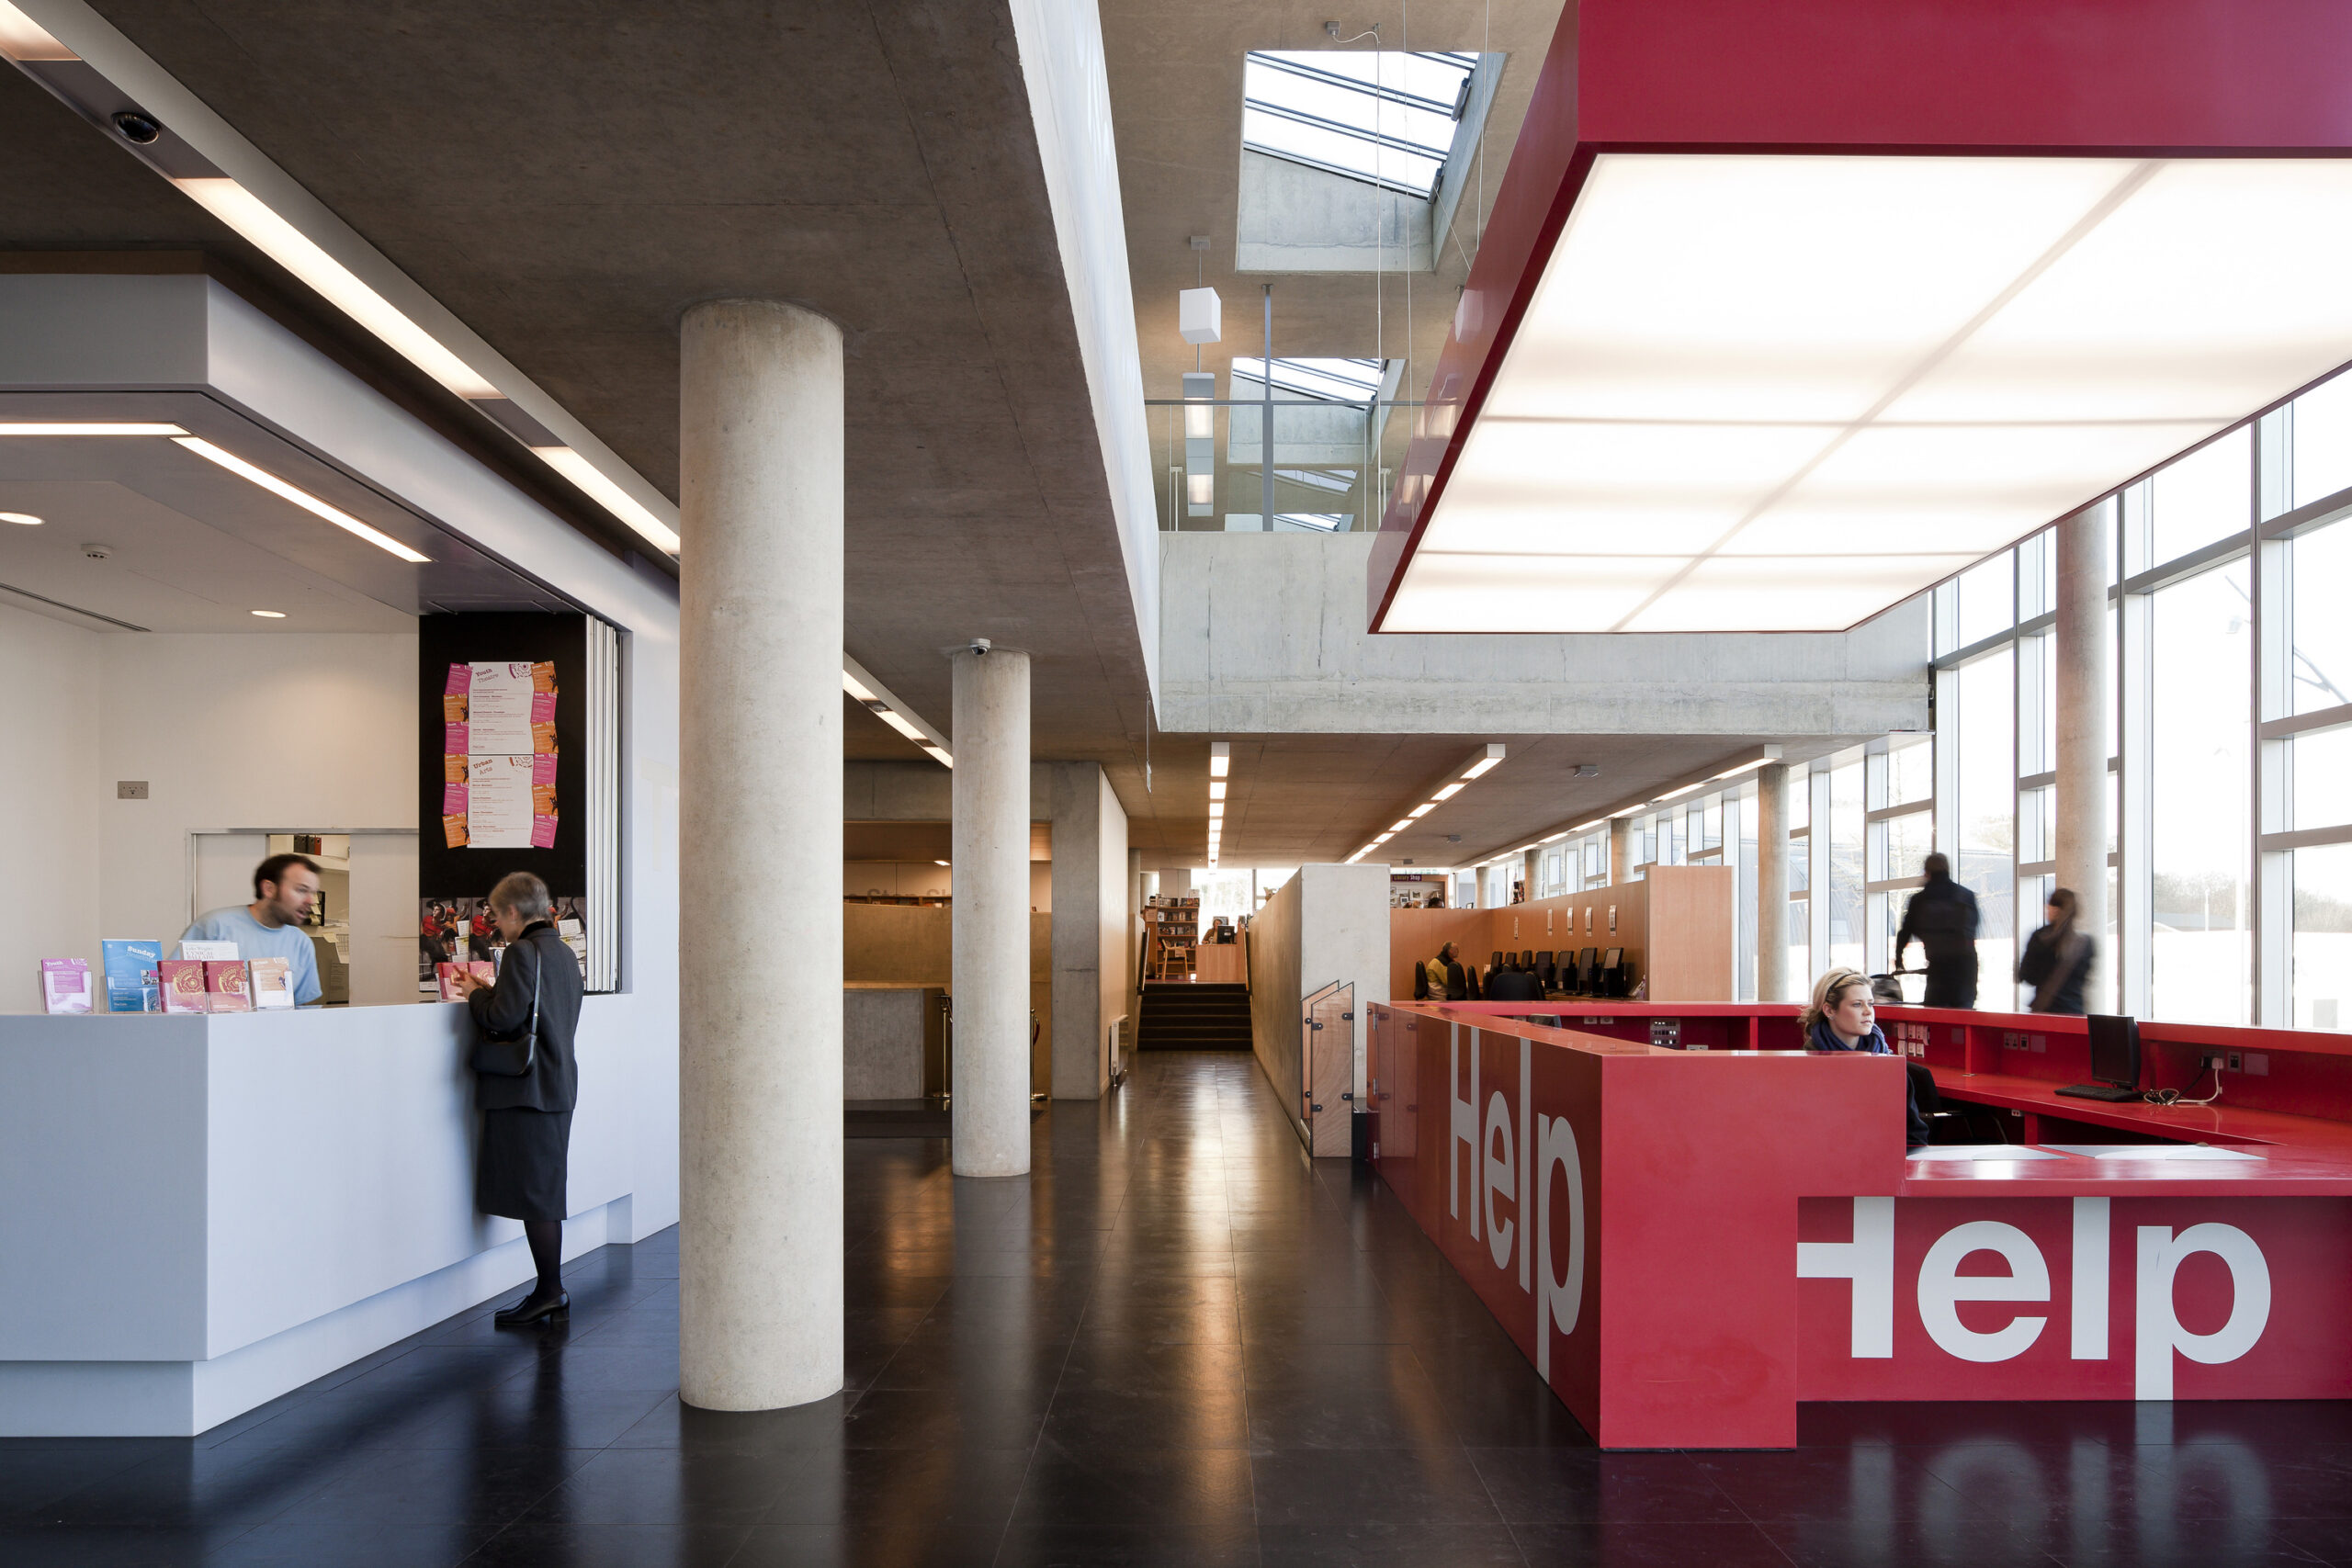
(1496, 962)
(2115, 1050)
(1543, 967)
(1586, 969)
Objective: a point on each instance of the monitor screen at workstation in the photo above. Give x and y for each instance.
(1613, 958)
(2115, 1050)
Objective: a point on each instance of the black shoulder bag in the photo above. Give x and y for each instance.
(513, 1056)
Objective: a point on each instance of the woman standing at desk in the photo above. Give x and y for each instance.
(527, 1121)
(1842, 1017)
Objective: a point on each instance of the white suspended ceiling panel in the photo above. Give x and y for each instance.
(1783, 394)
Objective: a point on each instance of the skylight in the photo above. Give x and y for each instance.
(1384, 117)
(1333, 380)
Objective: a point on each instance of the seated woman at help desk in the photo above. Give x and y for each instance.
(1842, 1017)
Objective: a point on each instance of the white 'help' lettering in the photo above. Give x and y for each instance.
(1557, 1296)
(2157, 1330)
(1868, 1261)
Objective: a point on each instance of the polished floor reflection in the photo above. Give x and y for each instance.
(1177, 1342)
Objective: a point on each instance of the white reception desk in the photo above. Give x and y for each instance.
(197, 1215)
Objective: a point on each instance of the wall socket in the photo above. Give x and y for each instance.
(130, 789)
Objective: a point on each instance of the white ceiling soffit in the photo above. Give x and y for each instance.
(1785, 393)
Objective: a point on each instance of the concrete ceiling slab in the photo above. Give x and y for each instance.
(569, 190)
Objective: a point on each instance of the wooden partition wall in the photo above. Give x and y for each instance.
(904, 945)
(1677, 925)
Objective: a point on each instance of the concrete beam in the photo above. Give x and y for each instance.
(1264, 634)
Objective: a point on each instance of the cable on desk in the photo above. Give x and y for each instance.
(2173, 1096)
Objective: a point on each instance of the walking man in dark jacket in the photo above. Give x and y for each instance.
(1943, 916)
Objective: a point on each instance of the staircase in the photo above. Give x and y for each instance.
(1185, 1016)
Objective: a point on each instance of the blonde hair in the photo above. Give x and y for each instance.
(1827, 991)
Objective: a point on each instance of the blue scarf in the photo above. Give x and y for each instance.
(1824, 1038)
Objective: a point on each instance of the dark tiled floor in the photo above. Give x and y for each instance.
(1178, 1342)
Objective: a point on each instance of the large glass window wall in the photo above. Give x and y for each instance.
(2230, 741)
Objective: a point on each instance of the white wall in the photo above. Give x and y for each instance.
(271, 730)
(1327, 923)
(51, 714)
(277, 730)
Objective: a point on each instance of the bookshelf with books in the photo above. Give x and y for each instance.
(1173, 935)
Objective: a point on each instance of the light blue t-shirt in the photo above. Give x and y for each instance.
(254, 940)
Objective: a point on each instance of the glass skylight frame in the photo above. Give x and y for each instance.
(1365, 116)
(1345, 382)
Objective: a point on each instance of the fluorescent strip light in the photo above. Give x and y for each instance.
(304, 499)
(1557, 836)
(1450, 790)
(1379, 839)
(1492, 758)
(850, 684)
(594, 484)
(1422, 810)
(297, 254)
(1401, 825)
(1216, 789)
(1216, 809)
(68, 427)
(1744, 767)
(898, 721)
(939, 862)
(941, 757)
(1220, 758)
(21, 38)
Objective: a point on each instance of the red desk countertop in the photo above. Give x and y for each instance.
(2219, 1124)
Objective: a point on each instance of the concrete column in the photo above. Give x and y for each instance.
(989, 965)
(1529, 862)
(760, 800)
(1089, 960)
(1621, 850)
(1773, 883)
(2085, 690)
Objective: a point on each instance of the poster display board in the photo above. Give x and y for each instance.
(501, 748)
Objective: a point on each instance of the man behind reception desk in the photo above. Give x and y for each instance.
(285, 887)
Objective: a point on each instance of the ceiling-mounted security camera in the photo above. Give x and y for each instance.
(981, 646)
(139, 130)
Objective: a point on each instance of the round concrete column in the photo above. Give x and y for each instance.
(989, 967)
(760, 801)
(1621, 850)
(2084, 694)
(1773, 883)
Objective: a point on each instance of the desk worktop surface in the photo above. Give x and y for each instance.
(2219, 1124)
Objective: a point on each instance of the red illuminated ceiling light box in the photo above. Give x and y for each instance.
(1788, 311)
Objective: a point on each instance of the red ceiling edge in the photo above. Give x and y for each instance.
(1991, 77)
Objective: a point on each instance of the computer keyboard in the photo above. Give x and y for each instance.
(2106, 1091)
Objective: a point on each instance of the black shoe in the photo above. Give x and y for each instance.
(534, 1309)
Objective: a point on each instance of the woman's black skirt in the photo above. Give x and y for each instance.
(522, 1168)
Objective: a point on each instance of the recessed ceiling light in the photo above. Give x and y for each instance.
(295, 252)
(84, 427)
(301, 497)
(593, 483)
(27, 518)
(939, 862)
(268, 615)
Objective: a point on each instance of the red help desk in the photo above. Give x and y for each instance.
(1705, 1239)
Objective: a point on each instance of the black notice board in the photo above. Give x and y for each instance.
(497, 638)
